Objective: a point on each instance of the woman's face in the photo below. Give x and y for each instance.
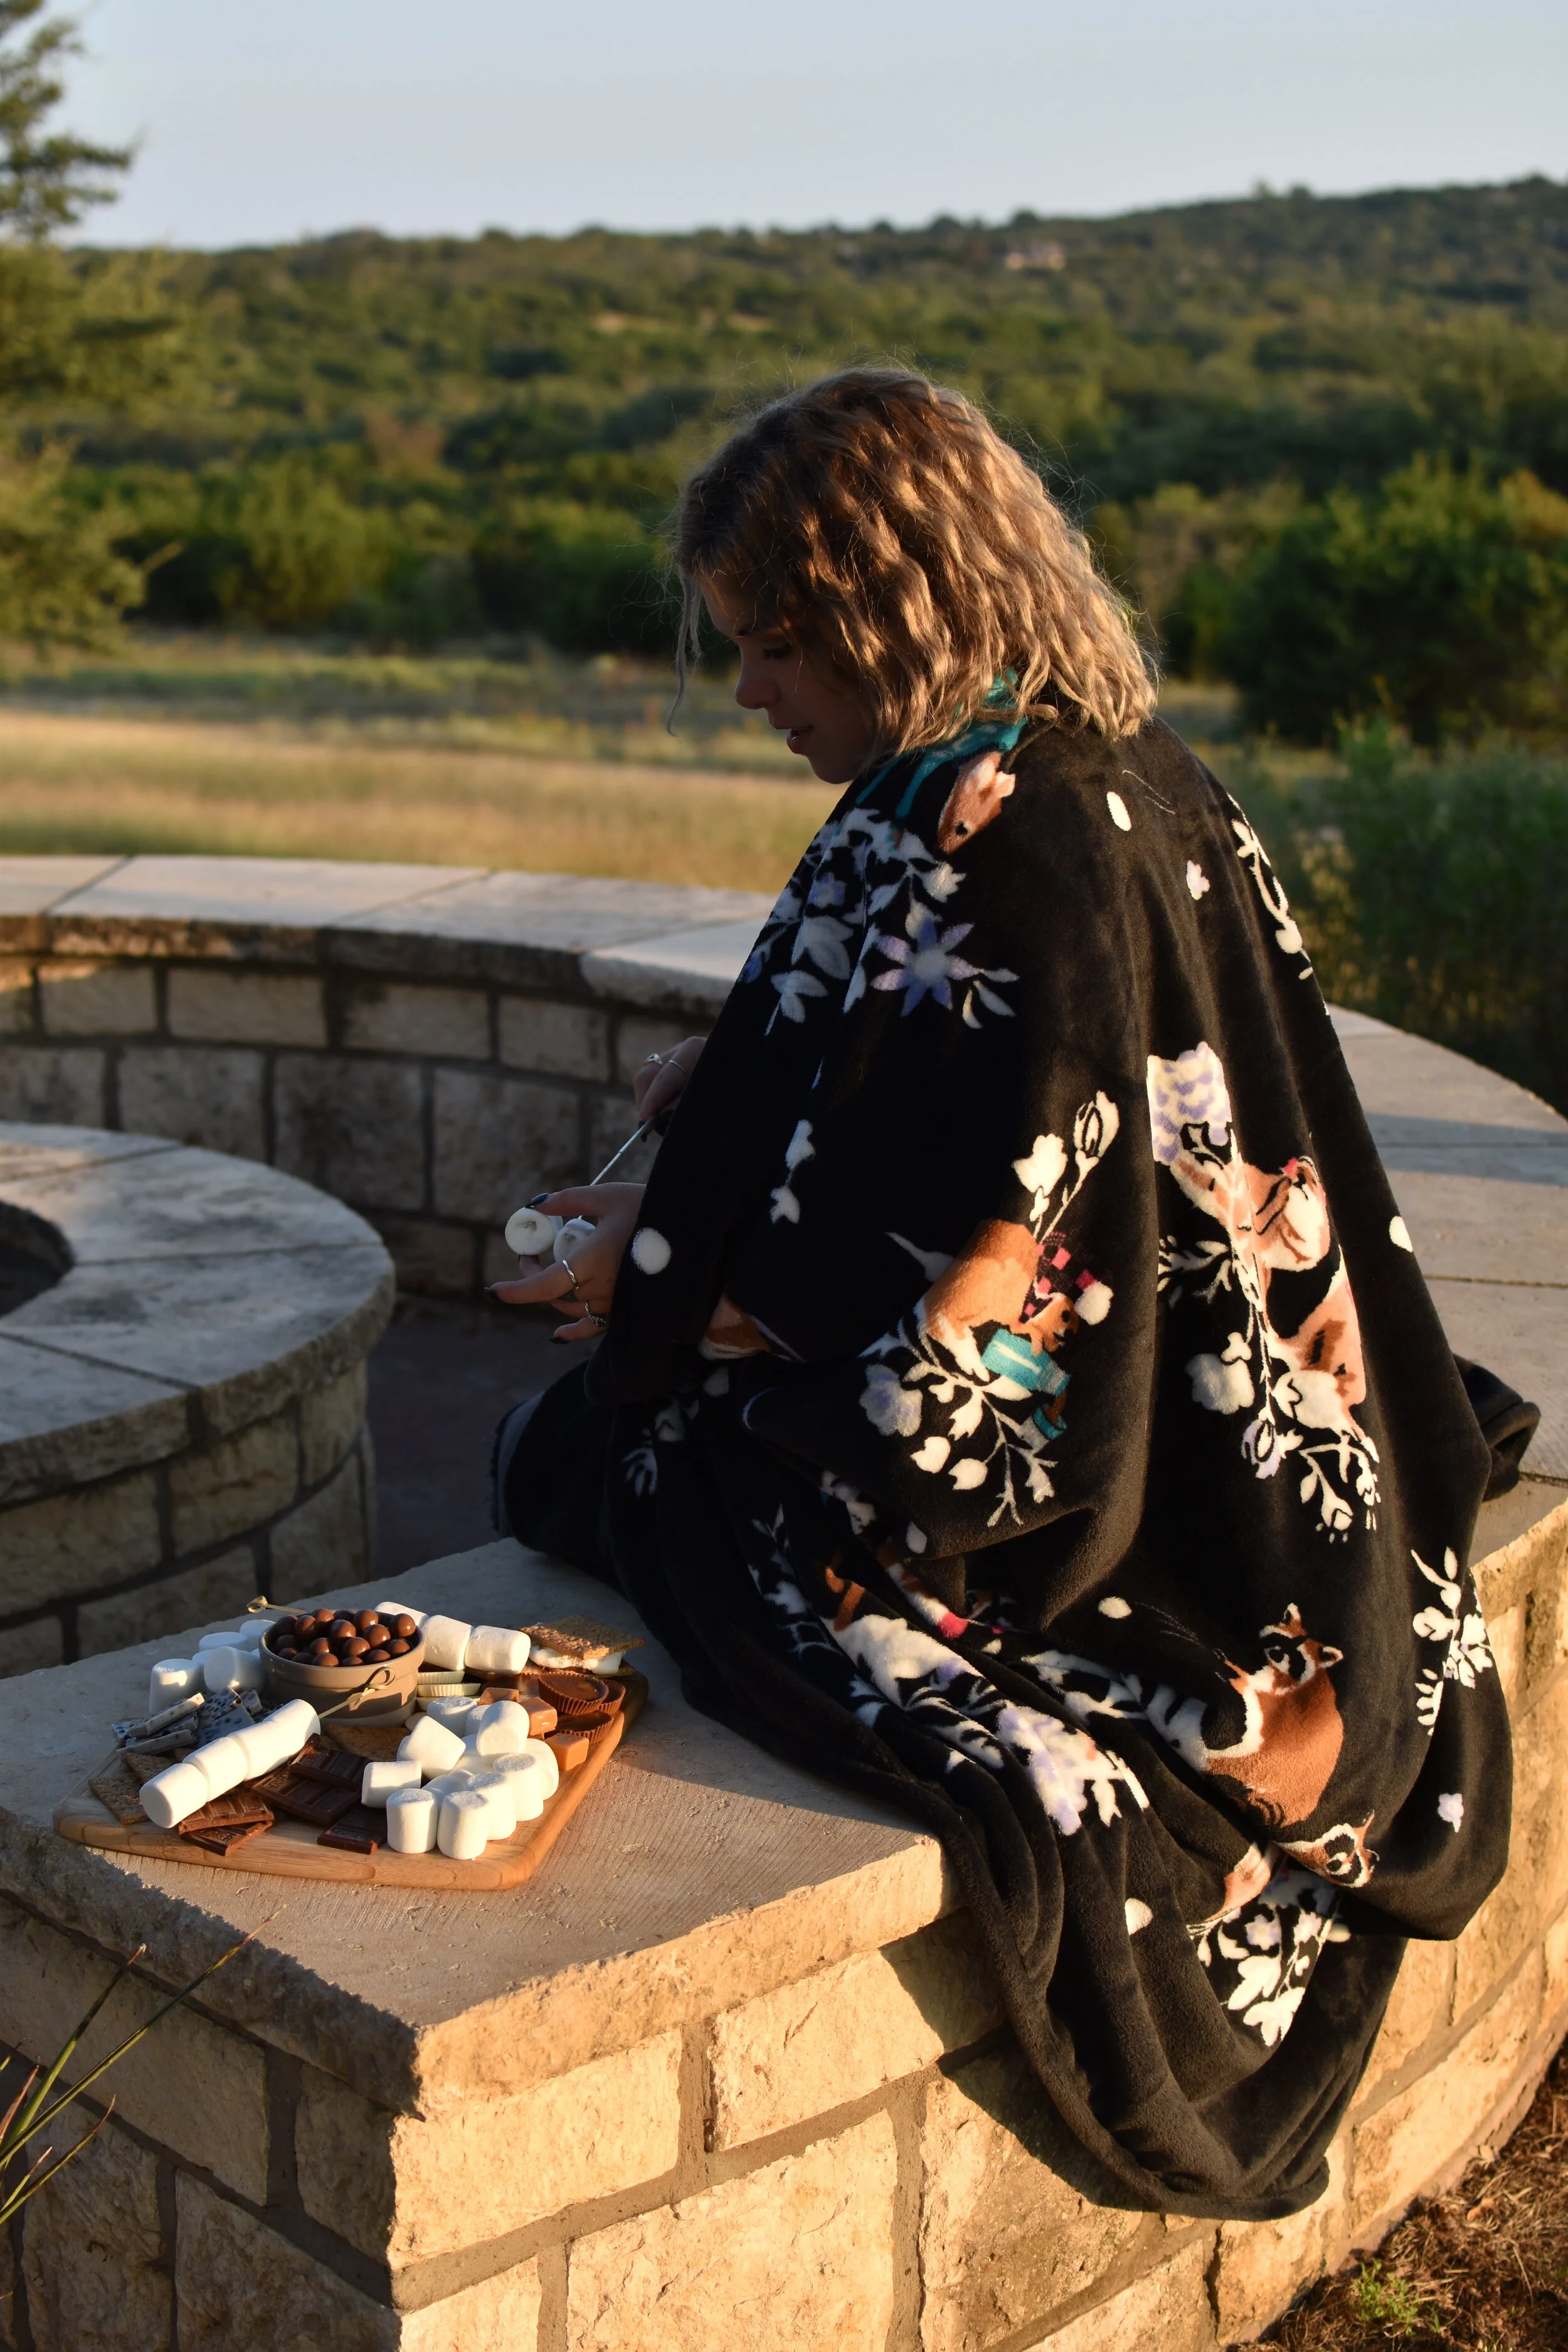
(827, 721)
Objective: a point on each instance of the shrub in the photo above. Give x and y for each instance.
(62, 581)
(589, 581)
(1432, 892)
(1441, 604)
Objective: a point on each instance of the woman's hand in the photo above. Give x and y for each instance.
(583, 1284)
(661, 1081)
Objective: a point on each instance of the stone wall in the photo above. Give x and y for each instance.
(795, 2122)
(430, 1044)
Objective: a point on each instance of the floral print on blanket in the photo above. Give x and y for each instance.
(1299, 1386)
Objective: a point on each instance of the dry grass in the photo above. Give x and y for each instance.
(70, 782)
(1484, 2269)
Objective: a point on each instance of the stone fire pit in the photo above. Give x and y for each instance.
(181, 1388)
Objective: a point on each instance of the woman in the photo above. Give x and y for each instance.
(1020, 1400)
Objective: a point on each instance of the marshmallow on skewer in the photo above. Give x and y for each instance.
(532, 1780)
(446, 1642)
(531, 1233)
(282, 1734)
(463, 1826)
(379, 1779)
(171, 1679)
(498, 1729)
(496, 1792)
(171, 1794)
(412, 1815)
(223, 1763)
(496, 1650)
(431, 1746)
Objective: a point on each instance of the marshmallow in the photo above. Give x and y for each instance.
(462, 1827)
(250, 1633)
(217, 1641)
(498, 1729)
(445, 1642)
(445, 1782)
(572, 1234)
(378, 1780)
(172, 1794)
(532, 1780)
(496, 1650)
(430, 1746)
(411, 1818)
(222, 1763)
(284, 1732)
(451, 1710)
(531, 1233)
(224, 1667)
(497, 1792)
(171, 1679)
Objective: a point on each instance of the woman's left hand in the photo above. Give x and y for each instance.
(583, 1285)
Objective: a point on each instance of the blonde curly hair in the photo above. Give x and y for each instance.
(882, 520)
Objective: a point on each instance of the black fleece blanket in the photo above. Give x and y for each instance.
(1021, 1402)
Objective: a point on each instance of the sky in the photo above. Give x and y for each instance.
(262, 123)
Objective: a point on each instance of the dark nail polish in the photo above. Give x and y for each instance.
(537, 1198)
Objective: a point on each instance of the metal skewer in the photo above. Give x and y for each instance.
(635, 1137)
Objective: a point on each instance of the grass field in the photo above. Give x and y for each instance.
(544, 764)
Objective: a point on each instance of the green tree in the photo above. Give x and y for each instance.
(1441, 604)
(47, 179)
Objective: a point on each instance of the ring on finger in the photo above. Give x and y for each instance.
(602, 1322)
(653, 1061)
(574, 1293)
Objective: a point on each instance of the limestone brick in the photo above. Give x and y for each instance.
(192, 1596)
(191, 2084)
(59, 1082)
(798, 2254)
(331, 1419)
(406, 2187)
(1168, 2307)
(354, 1128)
(223, 1489)
(205, 1095)
(640, 1035)
(97, 1000)
(92, 2248)
(69, 1543)
(391, 1017)
(246, 1008)
(326, 1540)
(1419, 2007)
(436, 1261)
(846, 2031)
(1546, 1619)
(560, 1041)
(1005, 2239)
(1418, 2135)
(500, 1139)
(1262, 2266)
(15, 1004)
(1555, 1956)
(24, 1649)
(241, 2287)
(1507, 1637)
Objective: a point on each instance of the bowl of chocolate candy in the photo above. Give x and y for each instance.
(369, 1658)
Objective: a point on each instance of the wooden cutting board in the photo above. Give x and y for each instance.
(288, 1850)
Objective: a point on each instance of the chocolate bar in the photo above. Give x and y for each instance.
(224, 1841)
(316, 1801)
(360, 1831)
(237, 1810)
(334, 1765)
